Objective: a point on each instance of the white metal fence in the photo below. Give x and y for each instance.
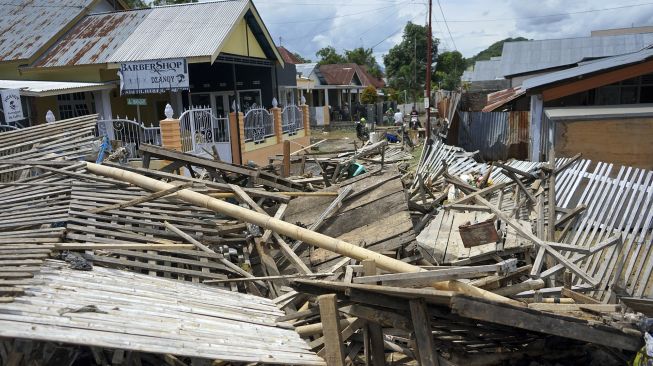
(292, 119)
(259, 124)
(130, 134)
(201, 131)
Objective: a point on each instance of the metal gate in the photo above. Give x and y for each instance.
(130, 134)
(259, 124)
(201, 131)
(292, 119)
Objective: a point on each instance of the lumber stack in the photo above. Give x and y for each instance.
(245, 265)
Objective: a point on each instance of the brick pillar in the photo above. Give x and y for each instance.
(236, 130)
(170, 134)
(307, 119)
(276, 116)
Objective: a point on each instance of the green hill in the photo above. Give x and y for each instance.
(494, 50)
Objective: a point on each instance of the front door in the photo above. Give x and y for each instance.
(221, 104)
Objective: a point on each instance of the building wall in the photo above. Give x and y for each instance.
(621, 141)
(242, 42)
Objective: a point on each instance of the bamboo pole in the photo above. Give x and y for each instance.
(290, 230)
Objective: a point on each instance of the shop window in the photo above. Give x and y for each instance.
(74, 105)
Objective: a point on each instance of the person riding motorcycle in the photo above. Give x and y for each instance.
(362, 133)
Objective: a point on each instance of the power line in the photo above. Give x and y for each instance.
(397, 31)
(447, 25)
(548, 15)
(334, 17)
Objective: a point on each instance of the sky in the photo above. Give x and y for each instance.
(305, 26)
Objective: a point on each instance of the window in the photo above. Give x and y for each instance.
(74, 105)
(630, 91)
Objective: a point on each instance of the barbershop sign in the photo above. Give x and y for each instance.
(155, 76)
(11, 105)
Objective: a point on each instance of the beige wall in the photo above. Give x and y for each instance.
(620, 141)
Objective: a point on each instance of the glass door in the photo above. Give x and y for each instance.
(221, 104)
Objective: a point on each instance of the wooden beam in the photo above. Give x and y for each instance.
(537, 321)
(423, 335)
(334, 355)
(578, 297)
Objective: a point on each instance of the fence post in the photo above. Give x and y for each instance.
(306, 119)
(278, 121)
(170, 132)
(236, 135)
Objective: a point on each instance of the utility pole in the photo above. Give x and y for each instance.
(429, 140)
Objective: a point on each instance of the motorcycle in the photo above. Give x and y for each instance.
(362, 133)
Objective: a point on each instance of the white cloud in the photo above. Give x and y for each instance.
(308, 25)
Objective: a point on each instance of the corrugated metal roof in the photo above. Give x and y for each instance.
(343, 74)
(39, 88)
(188, 30)
(500, 98)
(288, 57)
(588, 68)
(176, 31)
(94, 39)
(306, 69)
(486, 70)
(529, 56)
(27, 25)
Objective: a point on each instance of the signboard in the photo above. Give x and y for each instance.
(11, 105)
(136, 101)
(156, 76)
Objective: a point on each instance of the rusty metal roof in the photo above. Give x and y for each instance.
(176, 31)
(94, 39)
(27, 25)
(343, 74)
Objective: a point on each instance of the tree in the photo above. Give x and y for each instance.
(329, 55)
(365, 57)
(405, 63)
(136, 4)
(369, 95)
(449, 69)
(300, 58)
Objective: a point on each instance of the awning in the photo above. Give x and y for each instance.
(599, 112)
(37, 88)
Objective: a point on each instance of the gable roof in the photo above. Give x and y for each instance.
(529, 56)
(588, 68)
(288, 57)
(28, 25)
(305, 70)
(175, 31)
(343, 74)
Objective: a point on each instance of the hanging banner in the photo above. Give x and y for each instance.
(11, 105)
(156, 76)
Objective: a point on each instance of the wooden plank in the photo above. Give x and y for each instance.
(334, 355)
(423, 279)
(423, 336)
(578, 297)
(139, 200)
(525, 233)
(536, 321)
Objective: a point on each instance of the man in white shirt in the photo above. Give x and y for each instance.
(399, 118)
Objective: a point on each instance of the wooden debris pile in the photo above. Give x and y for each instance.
(195, 260)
